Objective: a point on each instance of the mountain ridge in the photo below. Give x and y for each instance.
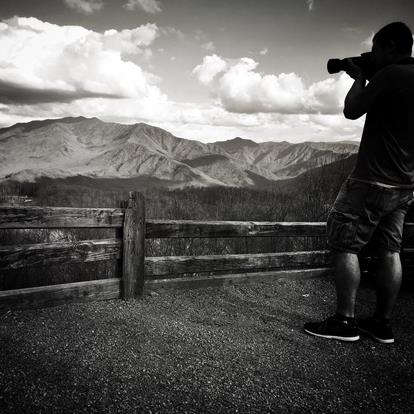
(79, 146)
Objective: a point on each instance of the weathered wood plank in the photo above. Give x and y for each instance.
(20, 217)
(59, 217)
(190, 228)
(134, 247)
(193, 264)
(18, 256)
(59, 294)
(232, 279)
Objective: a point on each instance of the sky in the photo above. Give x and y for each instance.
(201, 69)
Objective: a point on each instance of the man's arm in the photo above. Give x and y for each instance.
(361, 96)
(355, 102)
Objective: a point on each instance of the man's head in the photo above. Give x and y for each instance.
(391, 44)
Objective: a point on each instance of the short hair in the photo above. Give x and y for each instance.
(399, 33)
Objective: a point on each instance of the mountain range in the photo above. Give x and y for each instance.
(91, 149)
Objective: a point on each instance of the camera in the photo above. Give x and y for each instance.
(364, 62)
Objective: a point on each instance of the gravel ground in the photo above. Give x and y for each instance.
(218, 350)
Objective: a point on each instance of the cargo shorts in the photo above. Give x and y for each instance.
(367, 212)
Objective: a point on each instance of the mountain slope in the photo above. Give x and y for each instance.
(88, 147)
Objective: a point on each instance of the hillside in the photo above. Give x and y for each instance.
(96, 150)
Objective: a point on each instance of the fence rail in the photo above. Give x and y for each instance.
(59, 217)
(193, 264)
(18, 256)
(189, 228)
(62, 293)
(139, 271)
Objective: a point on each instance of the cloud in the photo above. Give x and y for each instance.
(85, 6)
(132, 41)
(351, 29)
(14, 93)
(43, 62)
(367, 43)
(210, 68)
(50, 71)
(149, 6)
(199, 35)
(206, 123)
(264, 51)
(311, 4)
(172, 31)
(208, 46)
(241, 89)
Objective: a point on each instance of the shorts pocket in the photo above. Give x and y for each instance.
(341, 229)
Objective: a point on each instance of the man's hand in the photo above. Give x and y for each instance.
(354, 71)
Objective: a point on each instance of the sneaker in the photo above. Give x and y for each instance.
(379, 330)
(333, 328)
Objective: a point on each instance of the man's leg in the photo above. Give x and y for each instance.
(347, 277)
(342, 325)
(347, 230)
(389, 275)
(388, 282)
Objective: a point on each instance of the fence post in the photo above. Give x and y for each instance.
(133, 247)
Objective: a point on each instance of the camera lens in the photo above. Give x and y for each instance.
(335, 65)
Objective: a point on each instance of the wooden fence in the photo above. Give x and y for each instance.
(140, 272)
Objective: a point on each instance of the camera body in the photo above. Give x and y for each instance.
(364, 62)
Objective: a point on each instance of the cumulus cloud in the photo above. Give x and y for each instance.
(264, 51)
(85, 6)
(46, 62)
(241, 89)
(210, 68)
(51, 71)
(132, 41)
(149, 6)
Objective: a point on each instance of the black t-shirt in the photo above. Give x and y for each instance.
(386, 153)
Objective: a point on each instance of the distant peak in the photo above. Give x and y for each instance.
(69, 119)
(150, 129)
(144, 125)
(244, 141)
(236, 143)
(40, 123)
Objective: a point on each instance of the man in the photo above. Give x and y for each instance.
(373, 201)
